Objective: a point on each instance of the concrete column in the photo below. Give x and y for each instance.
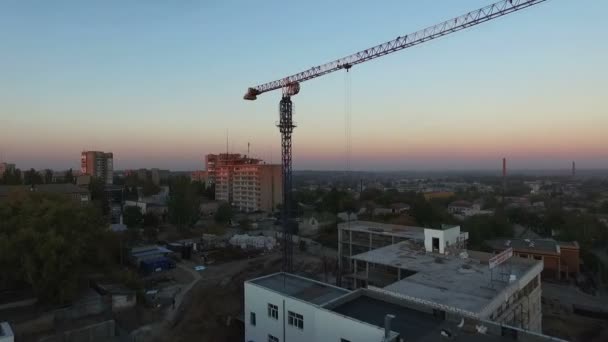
(340, 251)
(370, 241)
(398, 274)
(350, 243)
(355, 274)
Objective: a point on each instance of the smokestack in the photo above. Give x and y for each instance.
(387, 326)
(504, 177)
(573, 169)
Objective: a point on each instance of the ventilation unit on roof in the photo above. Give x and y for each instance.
(531, 244)
(508, 243)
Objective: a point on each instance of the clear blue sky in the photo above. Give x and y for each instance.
(159, 82)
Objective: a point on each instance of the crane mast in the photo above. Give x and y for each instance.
(290, 86)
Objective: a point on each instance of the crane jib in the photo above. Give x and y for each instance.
(466, 20)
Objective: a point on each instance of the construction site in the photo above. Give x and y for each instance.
(424, 275)
(432, 266)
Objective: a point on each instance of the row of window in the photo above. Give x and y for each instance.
(293, 319)
(272, 338)
(523, 255)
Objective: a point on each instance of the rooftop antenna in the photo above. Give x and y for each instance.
(226, 141)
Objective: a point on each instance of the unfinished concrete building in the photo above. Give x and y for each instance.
(432, 267)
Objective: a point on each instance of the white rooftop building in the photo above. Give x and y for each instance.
(285, 307)
(6, 333)
(432, 266)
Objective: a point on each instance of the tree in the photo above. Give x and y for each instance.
(150, 233)
(302, 246)
(99, 196)
(223, 213)
(371, 194)
(210, 192)
(336, 201)
(130, 193)
(184, 204)
(48, 176)
(69, 176)
(49, 242)
(485, 227)
(150, 220)
(132, 217)
(32, 177)
(12, 177)
(604, 207)
(149, 188)
(245, 224)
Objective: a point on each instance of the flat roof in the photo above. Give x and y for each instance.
(411, 324)
(153, 250)
(305, 289)
(533, 245)
(408, 232)
(460, 283)
(408, 322)
(5, 330)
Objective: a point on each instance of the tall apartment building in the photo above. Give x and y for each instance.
(215, 161)
(6, 166)
(98, 164)
(246, 183)
(257, 187)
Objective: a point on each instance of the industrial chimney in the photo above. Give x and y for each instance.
(573, 169)
(504, 178)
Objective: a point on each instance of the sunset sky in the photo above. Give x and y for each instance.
(160, 83)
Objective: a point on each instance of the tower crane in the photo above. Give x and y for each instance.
(290, 86)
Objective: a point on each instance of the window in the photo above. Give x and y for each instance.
(272, 338)
(538, 257)
(295, 319)
(252, 318)
(273, 311)
(521, 255)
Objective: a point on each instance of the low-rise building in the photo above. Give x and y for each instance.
(432, 194)
(290, 308)
(347, 216)
(561, 259)
(6, 333)
(467, 209)
(78, 194)
(433, 266)
(209, 208)
(312, 223)
(140, 254)
(6, 167)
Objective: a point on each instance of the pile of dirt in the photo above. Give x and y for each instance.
(213, 309)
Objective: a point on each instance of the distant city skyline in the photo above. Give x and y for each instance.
(414, 166)
(158, 84)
